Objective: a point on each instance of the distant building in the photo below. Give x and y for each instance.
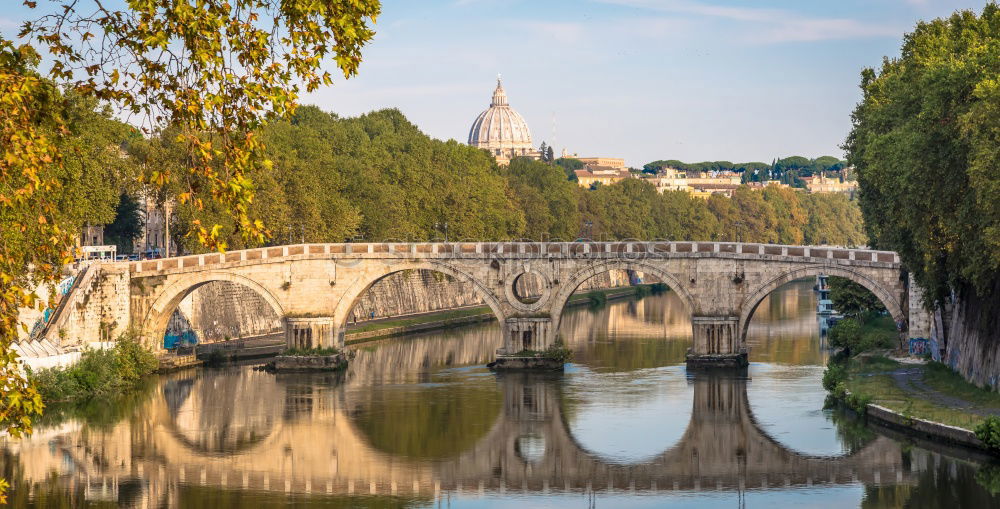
(155, 239)
(612, 162)
(91, 235)
(822, 184)
(700, 184)
(502, 131)
(604, 175)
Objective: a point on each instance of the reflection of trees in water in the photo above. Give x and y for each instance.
(426, 421)
(853, 432)
(629, 334)
(784, 328)
(401, 359)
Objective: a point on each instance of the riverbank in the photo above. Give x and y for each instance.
(445, 319)
(921, 398)
(100, 373)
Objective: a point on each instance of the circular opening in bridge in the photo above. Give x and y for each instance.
(531, 448)
(528, 287)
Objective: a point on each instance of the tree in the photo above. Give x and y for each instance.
(550, 154)
(851, 299)
(926, 147)
(569, 166)
(544, 151)
(216, 70)
(127, 225)
(791, 217)
(559, 218)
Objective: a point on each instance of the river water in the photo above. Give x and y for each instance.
(419, 422)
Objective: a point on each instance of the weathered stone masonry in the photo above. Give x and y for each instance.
(315, 287)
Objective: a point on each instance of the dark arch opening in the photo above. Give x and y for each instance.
(218, 310)
(883, 295)
(412, 295)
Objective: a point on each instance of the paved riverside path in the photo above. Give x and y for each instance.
(910, 379)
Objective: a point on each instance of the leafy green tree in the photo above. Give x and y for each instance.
(569, 165)
(852, 299)
(170, 62)
(926, 147)
(127, 226)
(791, 217)
(532, 180)
(550, 154)
(623, 210)
(833, 220)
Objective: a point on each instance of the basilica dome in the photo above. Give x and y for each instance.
(501, 130)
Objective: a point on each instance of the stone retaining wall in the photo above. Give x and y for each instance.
(222, 309)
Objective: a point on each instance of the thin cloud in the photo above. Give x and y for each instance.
(564, 32)
(771, 25)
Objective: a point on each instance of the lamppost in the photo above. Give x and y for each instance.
(444, 225)
(588, 229)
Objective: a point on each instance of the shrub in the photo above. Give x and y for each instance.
(643, 291)
(658, 288)
(855, 336)
(846, 334)
(597, 299)
(98, 373)
(310, 352)
(215, 359)
(834, 374)
(559, 352)
(989, 432)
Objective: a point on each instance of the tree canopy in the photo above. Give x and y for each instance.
(926, 145)
(213, 70)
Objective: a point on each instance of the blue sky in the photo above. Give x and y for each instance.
(640, 79)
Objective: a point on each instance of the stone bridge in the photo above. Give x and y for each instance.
(315, 286)
(297, 434)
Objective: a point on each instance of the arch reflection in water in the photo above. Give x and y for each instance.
(320, 447)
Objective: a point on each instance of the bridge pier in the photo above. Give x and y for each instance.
(312, 332)
(717, 342)
(524, 340)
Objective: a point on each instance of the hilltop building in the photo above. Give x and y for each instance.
(604, 175)
(821, 184)
(701, 184)
(611, 162)
(502, 131)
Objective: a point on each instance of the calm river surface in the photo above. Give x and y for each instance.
(420, 422)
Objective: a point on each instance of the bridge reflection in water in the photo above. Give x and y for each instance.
(297, 434)
(421, 419)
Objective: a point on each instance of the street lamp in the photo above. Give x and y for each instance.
(444, 225)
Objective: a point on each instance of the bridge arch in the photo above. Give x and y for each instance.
(567, 288)
(753, 299)
(154, 324)
(360, 285)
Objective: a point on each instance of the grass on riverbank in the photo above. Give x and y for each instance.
(99, 373)
(870, 377)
